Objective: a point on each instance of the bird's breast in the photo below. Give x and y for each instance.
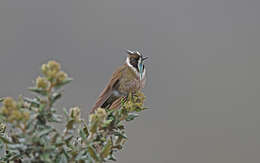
(130, 82)
(132, 85)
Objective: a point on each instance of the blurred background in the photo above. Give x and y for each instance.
(203, 73)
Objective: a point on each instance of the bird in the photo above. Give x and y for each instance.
(128, 78)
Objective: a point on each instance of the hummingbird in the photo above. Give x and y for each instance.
(128, 78)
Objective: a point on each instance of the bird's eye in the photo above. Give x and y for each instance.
(134, 60)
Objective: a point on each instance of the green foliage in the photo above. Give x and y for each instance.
(28, 132)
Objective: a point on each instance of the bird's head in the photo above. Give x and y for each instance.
(136, 61)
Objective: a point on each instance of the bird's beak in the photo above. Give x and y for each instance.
(144, 58)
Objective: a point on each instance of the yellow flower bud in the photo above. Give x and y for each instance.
(42, 83)
(51, 74)
(2, 127)
(45, 69)
(107, 149)
(5, 111)
(93, 118)
(17, 114)
(61, 76)
(26, 116)
(75, 113)
(101, 113)
(93, 154)
(139, 97)
(54, 66)
(9, 102)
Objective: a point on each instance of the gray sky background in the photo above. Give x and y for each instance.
(203, 72)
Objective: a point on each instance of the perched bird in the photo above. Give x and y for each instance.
(128, 78)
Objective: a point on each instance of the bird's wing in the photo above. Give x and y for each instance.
(108, 90)
(116, 104)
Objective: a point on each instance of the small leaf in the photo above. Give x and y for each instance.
(63, 158)
(80, 155)
(55, 97)
(5, 140)
(93, 154)
(59, 142)
(39, 91)
(107, 149)
(68, 138)
(93, 127)
(118, 147)
(131, 116)
(124, 112)
(120, 135)
(130, 97)
(55, 118)
(119, 140)
(85, 129)
(107, 123)
(45, 157)
(21, 147)
(121, 127)
(66, 113)
(138, 109)
(2, 99)
(110, 112)
(112, 158)
(54, 138)
(66, 81)
(33, 102)
(141, 109)
(69, 125)
(45, 132)
(66, 154)
(42, 108)
(82, 135)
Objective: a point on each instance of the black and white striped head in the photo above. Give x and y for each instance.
(135, 60)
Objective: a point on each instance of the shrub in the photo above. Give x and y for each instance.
(28, 132)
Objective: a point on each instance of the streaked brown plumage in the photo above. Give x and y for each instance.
(124, 80)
